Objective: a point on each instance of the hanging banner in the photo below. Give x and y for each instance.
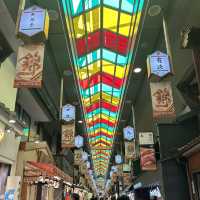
(146, 138)
(147, 159)
(78, 157)
(127, 180)
(119, 170)
(68, 134)
(130, 153)
(158, 65)
(162, 100)
(33, 25)
(29, 66)
(126, 168)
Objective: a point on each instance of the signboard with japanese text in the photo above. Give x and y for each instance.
(162, 100)
(68, 133)
(33, 24)
(68, 113)
(78, 157)
(127, 179)
(130, 153)
(158, 65)
(129, 133)
(29, 66)
(146, 138)
(147, 159)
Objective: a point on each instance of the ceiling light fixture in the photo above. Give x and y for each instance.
(80, 121)
(154, 10)
(137, 70)
(12, 121)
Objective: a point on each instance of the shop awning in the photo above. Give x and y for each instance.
(33, 170)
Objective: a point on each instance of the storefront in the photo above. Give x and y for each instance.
(191, 152)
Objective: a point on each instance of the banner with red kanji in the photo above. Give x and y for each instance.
(162, 100)
(29, 66)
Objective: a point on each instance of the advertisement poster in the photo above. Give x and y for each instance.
(162, 100)
(4, 173)
(68, 133)
(29, 66)
(147, 159)
(146, 138)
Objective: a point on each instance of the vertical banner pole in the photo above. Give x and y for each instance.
(61, 96)
(167, 40)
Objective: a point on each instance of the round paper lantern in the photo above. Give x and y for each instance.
(118, 159)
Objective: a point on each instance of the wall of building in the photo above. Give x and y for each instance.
(7, 75)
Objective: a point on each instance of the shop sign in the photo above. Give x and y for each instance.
(126, 168)
(29, 66)
(78, 157)
(68, 132)
(130, 150)
(147, 159)
(33, 24)
(79, 141)
(158, 65)
(127, 180)
(146, 138)
(162, 100)
(68, 113)
(129, 133)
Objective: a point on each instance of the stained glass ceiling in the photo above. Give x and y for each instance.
(102, 35)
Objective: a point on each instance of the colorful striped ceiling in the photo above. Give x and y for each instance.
(102, 35)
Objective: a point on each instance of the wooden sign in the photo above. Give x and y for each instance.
(146, 138)
(162, 100)
(33, 24)
(127, 180)
(29, 66)
(130, 153)
(78, 157)
(147, 159)
(158, 65)
(68, 133)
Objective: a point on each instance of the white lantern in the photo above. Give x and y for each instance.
(79, 141)
(118, 159)
(68, 113)
(85, 156)
(129, 133)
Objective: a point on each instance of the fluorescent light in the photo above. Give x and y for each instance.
(12, 121)
(37, 142)
(137, 70)
(80, 121)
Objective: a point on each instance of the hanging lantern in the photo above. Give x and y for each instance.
(118, 159)
(129, 133)
(88, 164)
(79, 141)
(85, 156)
(68, 113)
(158, 65)
(33, 25)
